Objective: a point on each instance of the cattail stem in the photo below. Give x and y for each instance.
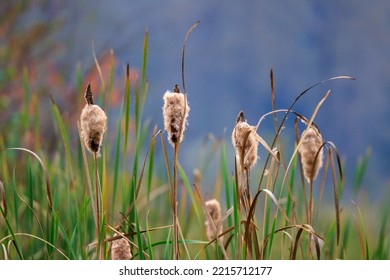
(174, 205)
(97, 199)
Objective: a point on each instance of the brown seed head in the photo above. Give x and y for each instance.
(175, 119)
(310, 146)
(214, 209)
(241, 129)
(120, 249)
(93, 122)
(88, 95)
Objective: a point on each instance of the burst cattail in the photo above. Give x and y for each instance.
(120, 249)
(311, 145)
(175, 112)
(215, 212)
(93, 124)
(241, 129)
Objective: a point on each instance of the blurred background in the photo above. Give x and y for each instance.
(228, 60)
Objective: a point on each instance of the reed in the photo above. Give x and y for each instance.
(93, 123)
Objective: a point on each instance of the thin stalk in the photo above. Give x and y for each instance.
(174, 205)
(99, 247)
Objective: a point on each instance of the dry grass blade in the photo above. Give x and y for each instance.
(212, 241)
(299, 233)
(5, 251)
(295, 247)
(325, 171)
(98, 68)
(333, 146)
(109, 239)
(168, 168)
(183, 52)
(48, 186)
(207, 213)
(253, 208)
(273, 112)
(305, 227)
(265, 145)
(364, 244)
(226, 215)
(336, 198)
(183, 240)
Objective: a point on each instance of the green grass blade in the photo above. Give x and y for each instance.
(143, 68)
(116, 160)
(151, 254)
(64, 137)
(360, 171)
(17, 245)
(190, 192)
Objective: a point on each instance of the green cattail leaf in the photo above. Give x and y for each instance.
(187, 185)
(64, 136)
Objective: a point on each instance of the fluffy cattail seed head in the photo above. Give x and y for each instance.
(310, 146)
(214, 208)
(120, 249)
(93, 122)
(241, 129)
(175, 113)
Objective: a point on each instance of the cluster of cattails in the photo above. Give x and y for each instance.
(245, 142)
(93, 122)
(120, 249)
(214, 209)
(311, 152)
(175, 113)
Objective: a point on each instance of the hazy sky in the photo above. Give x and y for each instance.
(229, 55)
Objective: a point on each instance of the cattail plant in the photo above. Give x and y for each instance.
(120, 249)
(93, 122)
(214, 208)
(175, 113)
(244, 142)
(311, 153)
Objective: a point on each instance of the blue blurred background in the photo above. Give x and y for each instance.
(228, 59)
